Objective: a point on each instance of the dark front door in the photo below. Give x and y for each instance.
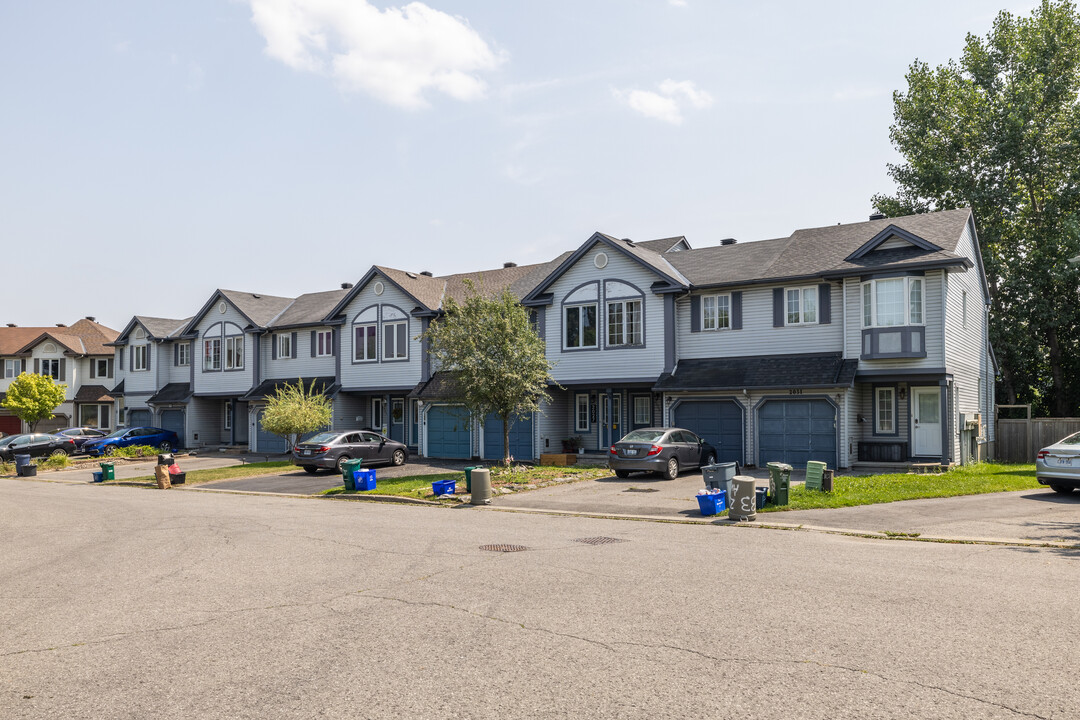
(397, 419)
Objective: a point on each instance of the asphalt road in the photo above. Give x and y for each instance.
(122, 602)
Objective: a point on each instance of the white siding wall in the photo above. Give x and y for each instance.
(205, 418)
(232, 381)
(173, 373)
(303, 365)
(966, 356)
(642, 362)
(70, 375)
(139, 380)
(347, 407)
(758, 336)
(932, 314)
(379, 374)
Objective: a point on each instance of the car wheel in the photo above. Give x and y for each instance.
(60, 451)
(341, 462)
(622, 474)
(672, 470)
(710, 459)
(1062, 489)
(310, 470)
(109, 450)
(165, 447)
(398, 458)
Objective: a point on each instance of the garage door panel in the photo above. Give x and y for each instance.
(797, 431)
(138, 418)
(268, 442)
(719, 422)
(173, 420)
(448, 433)
(521, 438)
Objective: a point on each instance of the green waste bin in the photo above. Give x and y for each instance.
(779, 483)
(347, 467)
(468, 476)
(108, 471)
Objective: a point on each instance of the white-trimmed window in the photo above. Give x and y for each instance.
(234, 352)
(801, 306)
(890, 302)
(579, 326)
(138, 357)
(51, 368)
(642, 410)
(284, 345)
(100, 367)
(183, 355)
(228, 414)
(716, 312)
(324, 343)
(624, 323)
(212, 354)
(377, 419)
(581, 413)
(396, 340)
(12, 367)
(885, 411)
(365, 343)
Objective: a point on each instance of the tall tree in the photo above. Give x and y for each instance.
(294, 410)
(999, 131)
(33, 398)
(492, 352)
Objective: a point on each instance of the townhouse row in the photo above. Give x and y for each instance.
(865, 342)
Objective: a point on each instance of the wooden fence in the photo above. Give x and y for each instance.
(1019, 440)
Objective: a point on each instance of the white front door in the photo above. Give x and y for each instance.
(926, 421)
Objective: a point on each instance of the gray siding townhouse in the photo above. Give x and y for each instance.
(153, 374)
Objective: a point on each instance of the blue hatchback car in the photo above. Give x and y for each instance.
(164, 440)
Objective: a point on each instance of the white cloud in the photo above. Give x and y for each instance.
(396, 55)
(668, 104)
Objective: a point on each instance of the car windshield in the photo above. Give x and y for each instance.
(118, 433)
(322, 438)
(649, 436)
(8, 439)
(1071, 440)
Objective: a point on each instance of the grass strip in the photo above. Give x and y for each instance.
(195, 477)
(413, 486)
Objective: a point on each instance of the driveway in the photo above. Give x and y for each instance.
(294, 481)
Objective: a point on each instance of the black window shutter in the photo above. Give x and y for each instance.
(93, 368)
(334, 340)
(292, 345)
(149, 352)
(778, 307)
(37, 366)
(109, 367)
(63, 369)
(121, 354)
(131, 360)
(695, 313)
(24, 364)
(175, 355)
(736, 310)
(824, 303)
(314, 338)
(273, 347)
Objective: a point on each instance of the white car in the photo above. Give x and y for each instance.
(1059, 465)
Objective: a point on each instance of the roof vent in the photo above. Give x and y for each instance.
(60, 325)
(346, 286)
(426, 273)
(629, 242)
(877, 216)
(12, 325)
(91, 318)
(509, 265)
(728, 241)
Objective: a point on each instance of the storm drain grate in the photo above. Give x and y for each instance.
(503, 548)
(599, 540)
(633, 489)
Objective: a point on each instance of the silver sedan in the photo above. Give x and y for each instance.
(1059, 465)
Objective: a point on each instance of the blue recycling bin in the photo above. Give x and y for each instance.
(20, 461)
(712, 503)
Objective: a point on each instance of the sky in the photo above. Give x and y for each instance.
(152, 152)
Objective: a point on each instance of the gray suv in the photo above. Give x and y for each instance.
(328, 450)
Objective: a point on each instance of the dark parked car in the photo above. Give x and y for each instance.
(328, 450)
(35, 445)
(82, 435)
(164, 440)
(1058, 465)
(664, 451)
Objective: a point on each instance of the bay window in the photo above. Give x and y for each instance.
(892, 302)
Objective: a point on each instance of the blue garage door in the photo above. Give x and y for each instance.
(448, 434)
(521, 438)
(794, 431)
(173, 419)
(720, 422)
(138, 418)
(268, 442)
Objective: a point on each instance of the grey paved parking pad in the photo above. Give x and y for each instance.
(126, 603)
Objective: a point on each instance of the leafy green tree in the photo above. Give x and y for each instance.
(33, 398)
(493, 356)
(294, 410)
(999, 131)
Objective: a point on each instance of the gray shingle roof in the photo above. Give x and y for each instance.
(821, 251)
(651, 257)
(308, 309)
(260, 309)
(770, 371)
(172, 392)
(266, 388)
(161, 327)
(662, 245)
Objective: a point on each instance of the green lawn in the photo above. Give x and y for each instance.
(196, 477)
(414, 486)
(419, 486)
(873, 489)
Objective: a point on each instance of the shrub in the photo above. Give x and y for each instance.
(7, 468)
(56, 461)
(136, 451)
